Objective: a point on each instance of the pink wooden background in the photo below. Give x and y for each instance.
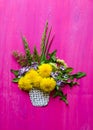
(72, 22)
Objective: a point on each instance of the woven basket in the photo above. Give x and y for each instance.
(38, 97)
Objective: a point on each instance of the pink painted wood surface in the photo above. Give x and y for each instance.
(72, 22)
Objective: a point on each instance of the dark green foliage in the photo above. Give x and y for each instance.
(15, 72)
(15, 80)
(52, 57)
(72, 83)
(62, 96)
(68, 79)
(78, 75)
(68, 70)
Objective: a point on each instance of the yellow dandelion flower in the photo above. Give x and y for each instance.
(37, 81)
(24, 83)
(45, 70)
(47, 84)
(31, 75)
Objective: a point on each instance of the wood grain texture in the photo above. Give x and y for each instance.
(72, 22)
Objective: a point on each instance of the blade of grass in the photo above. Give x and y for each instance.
(47, 41)
(49, 46)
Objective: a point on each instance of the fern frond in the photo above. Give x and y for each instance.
(36, 56)
(27, 50)
(20, 58)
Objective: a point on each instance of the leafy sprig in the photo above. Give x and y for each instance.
(68, 79)
(20, 58)
(59, 93)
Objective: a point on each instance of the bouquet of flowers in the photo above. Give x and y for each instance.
(43, 73)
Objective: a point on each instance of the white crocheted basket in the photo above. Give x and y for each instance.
(38, 97)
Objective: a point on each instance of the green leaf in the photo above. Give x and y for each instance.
(71, 84)
(57, 87)
(64, 98)
(61, 95)
(58, 93)
(68, 70)
(43, 59)
(15, 72)
(79, 75)
(53, 56)
(15, 80)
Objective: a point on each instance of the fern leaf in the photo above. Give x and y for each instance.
(27, 50)
(36, 55)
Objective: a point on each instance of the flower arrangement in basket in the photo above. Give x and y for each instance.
(43, 73)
